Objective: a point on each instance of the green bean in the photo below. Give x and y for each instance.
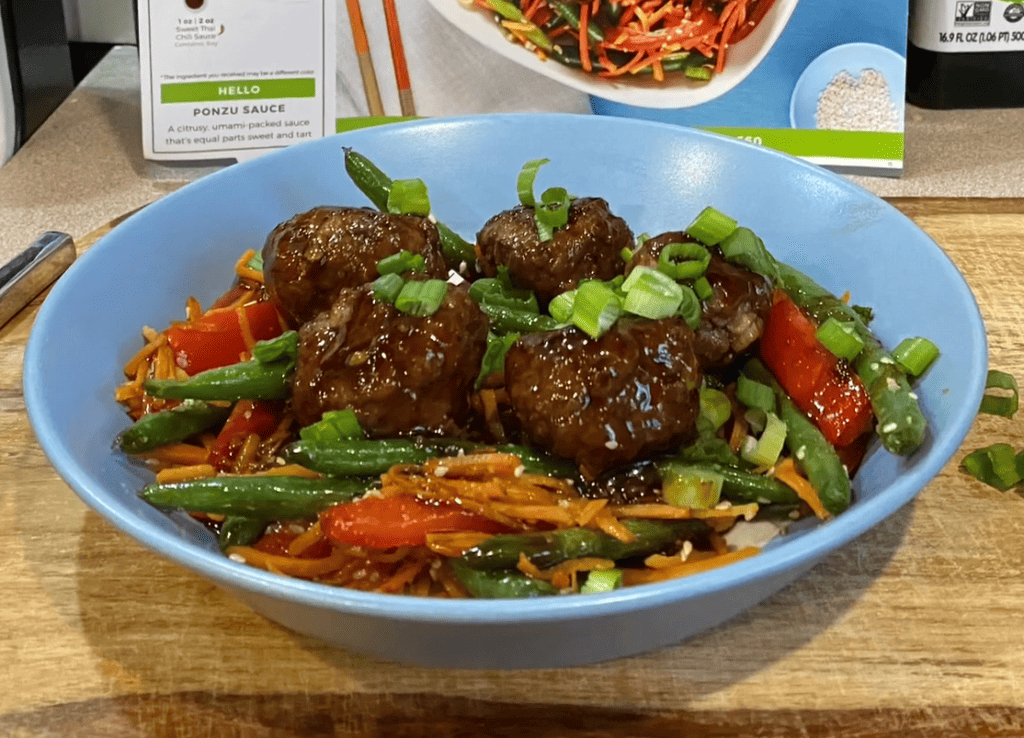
(552, 547)
(355, 456)
(168, 426)
(901, 423)
(499, 584)
(264, 497)
(739, 485)
(238, 530)
(376, 185)
(267, 376)
(815, 455)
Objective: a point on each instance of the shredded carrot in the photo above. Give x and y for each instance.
(694, 564)
(305, 540)
(786, 472)
(180, 454)
(289, 566)
(289, 470)
(184, 473)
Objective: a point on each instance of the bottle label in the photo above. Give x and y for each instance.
(952, 26)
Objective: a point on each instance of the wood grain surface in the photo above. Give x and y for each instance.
(915, 629)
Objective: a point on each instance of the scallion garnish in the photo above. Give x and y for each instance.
(524, 184)
(595, 308)
(494, 355)
(651, 294)
(256, 262)
(997, 466)
(553, 212)
(421, 297)
(915, 355)
(754, 394)
(401, 262)
(744, 247)
(684, 260)
(1003, 405)
(408, 197)
(840, 338)
(766, 449)
(689, 308)
(703, 289)
(560, 306)
(715, 407)
(602, 580)
(711, 226)
(687, 487)
(495, 291)
(333, 427)
(386, 287)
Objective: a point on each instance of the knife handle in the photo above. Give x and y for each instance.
(33, 270)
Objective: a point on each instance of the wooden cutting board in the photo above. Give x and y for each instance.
(914, 630)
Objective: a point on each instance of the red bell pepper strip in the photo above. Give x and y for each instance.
(387, 522)
(824, 387)
(247, 417)
(221, 337)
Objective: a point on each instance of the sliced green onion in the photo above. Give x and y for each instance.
(553, 212)
(421, 298)
(715, 407)
(840, 338)
(686, 487)
(334, 427)
(595, 308)
(602, 580)
(754, 394)
(403, 261)
(703, 289)
(494, 356)
(915, 355)
(256, 262)
(386, 287)
(766, 449)
(997, 466)
(524, 184)
(560, 306)
(497, 291)
(711, 226)
(684, 260)
(1005, 406)
(689, 308)
(743, 247)
(651, 294)
(408, 197)
(626, 255)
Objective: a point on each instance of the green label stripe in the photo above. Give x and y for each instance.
(237, 89)
(351, 124)
(815, 143)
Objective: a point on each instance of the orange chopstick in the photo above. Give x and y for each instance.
(362, 44)
(398, 57)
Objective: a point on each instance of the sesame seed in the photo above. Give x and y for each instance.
(520, 470)
(440, 471)
(889, 427)
(237, 558)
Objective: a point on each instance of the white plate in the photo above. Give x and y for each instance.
(675, 92)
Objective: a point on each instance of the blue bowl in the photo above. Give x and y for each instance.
(657, 177)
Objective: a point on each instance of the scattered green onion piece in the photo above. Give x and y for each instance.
(686, 487)
(553, 212)
(334, 427)
(996, 465)
(703, 289)
(765, 451)
(285, 346)
(744, 247)
(689, 308)
(684, 260)
(421, 298)
(715, 407)
(496, 291)
(1005, 406)
(494, 356)
(702, 74)
(408, 197)
(386, 287)
(651, 294)
(595, 308)
(711, 226)
(840, 338)
(256, 262)
(560, 306)
(915, 355)
(403, 261)
(524, 184)
(754, 394)
(626, 255)
(602, 580)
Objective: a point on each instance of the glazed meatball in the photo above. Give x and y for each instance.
(606, 401)
(733, 319)
(308, 259)
(400, 374)
(588, 246)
